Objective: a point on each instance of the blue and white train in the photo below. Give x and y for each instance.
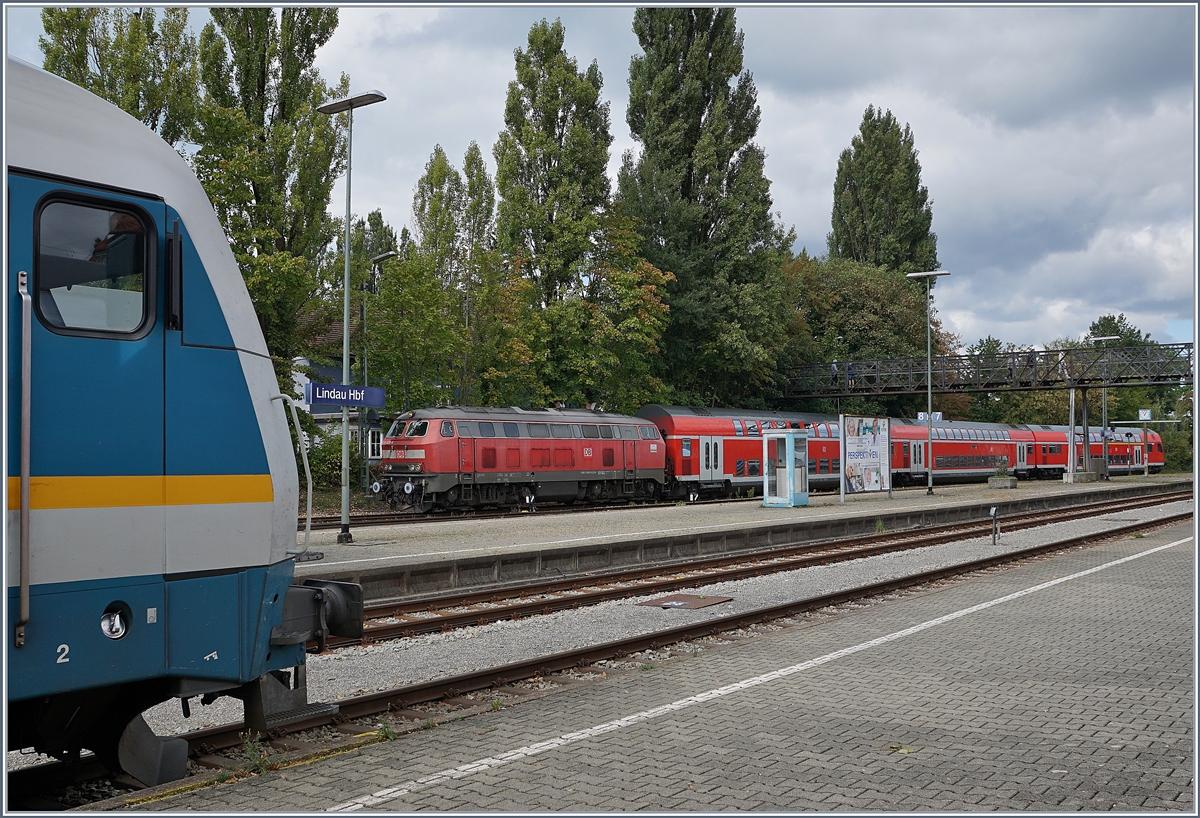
(152, 486)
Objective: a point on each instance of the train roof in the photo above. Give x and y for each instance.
(54, 127)
(658, 411)
(513, 413)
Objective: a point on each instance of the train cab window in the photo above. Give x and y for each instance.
(487, 428)
(606, 432)
(539, 430)
(90, 273)
(737, 428)
(1158, 447)
(560, 431)
(629, 432)
(417, 428)
(649, 432)
(511, 430)
(591, 431)
(397, 429)
(447, 428)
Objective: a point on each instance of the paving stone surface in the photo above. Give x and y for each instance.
(1077, 696)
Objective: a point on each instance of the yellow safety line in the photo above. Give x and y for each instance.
(142, 490)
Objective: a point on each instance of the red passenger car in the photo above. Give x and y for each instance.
(462, 457)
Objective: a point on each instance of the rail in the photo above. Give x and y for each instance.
(1020, 371)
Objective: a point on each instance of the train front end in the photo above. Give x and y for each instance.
(152, 486)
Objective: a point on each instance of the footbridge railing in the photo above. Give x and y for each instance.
(1145, 365)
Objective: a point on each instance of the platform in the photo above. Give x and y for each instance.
(1061, 684)
(414, 560)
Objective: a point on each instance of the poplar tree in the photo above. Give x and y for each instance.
(268, 160)
(700, 199)
(881, 212)
(145, 65)
(550, 163)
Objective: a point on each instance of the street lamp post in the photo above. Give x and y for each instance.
(339, 106)
(1104, 339)
(929, 276)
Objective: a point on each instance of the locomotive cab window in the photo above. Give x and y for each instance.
(92, 270)
(649, 432)
(417, 428)
(447, 428)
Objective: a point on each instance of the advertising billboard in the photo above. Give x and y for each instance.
(866, 462)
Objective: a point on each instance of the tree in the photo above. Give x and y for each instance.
(144, 65)
(1107, 326)
(438, 204)
(881, 212)
(700, 199)
(550, 163)
(268, 160)
(860, 312)
(607, 336)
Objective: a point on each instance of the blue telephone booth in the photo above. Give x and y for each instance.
(785, 478)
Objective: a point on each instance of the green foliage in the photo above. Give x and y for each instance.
(550, 163)
(605, 338)
(1107, 326)
(416, 336)
(702, 204)
(325, 459)
(268, 160)
(881, 212)
(144, 65)
(877, 313)
(438, 206)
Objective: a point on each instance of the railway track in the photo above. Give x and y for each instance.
(205, 745)
(471, 608)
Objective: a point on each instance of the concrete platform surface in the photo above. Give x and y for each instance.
(1064, 683)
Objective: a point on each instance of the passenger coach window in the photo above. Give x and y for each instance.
(91, 269)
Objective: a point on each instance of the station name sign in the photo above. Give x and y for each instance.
(342, 395)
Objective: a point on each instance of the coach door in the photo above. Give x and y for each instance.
(91, 261)
(1021, 455)
(710, 459)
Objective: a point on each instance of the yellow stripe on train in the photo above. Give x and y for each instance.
(142, 490)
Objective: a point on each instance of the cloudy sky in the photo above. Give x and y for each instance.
(1058, 144)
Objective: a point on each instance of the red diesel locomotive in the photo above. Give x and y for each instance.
(459, 457)
(465, 456)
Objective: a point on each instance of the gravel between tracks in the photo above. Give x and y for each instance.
(352, 671)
